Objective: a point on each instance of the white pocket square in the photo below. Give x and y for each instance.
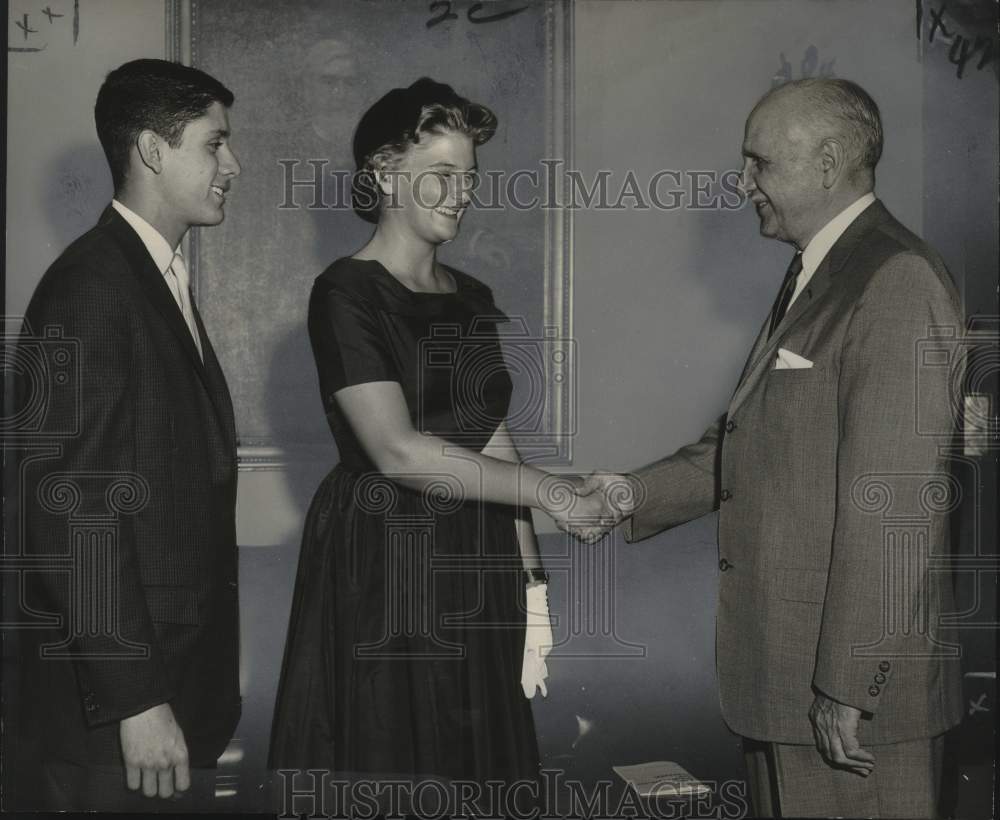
(790, 361)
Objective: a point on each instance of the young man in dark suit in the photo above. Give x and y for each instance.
(134, 683)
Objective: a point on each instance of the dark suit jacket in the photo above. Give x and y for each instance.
(133, 506)
(832, 488)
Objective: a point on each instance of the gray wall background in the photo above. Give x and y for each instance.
(665, 304)
(315, 67)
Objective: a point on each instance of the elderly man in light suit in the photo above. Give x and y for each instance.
(828, 656)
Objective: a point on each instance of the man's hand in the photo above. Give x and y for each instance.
(588, 509)
(835, 728)
(588, 518)
(155, 753)
(622, 493)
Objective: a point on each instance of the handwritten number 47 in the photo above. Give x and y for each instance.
(961, 51)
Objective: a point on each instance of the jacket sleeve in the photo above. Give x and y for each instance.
(884, 465)
(678, 488)
(118, 662)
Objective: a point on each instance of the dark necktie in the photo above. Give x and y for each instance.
(785, 294)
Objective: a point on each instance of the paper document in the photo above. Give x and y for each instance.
(660, 778)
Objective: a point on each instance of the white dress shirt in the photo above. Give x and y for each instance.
(157, 246)
(163, 255)
(819, 246)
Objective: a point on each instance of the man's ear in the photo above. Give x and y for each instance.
(833, 161)
(149, 144)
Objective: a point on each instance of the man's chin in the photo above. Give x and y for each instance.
(767, 229)
(444, 234)
(214, 219)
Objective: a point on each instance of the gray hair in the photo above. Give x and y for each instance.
(842, 109)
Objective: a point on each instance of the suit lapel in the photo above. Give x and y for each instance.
(218, 390)
(153, 283)
(755, 351)
(155, 288)
(825, 275)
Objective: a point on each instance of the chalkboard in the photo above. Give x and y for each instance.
(303, 72)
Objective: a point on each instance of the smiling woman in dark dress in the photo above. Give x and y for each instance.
(408, 655)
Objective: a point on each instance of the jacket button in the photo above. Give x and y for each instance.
(725, 495)
(873, 690)
(724, 565)
(730, 426)
(879, 678)
(883, 666)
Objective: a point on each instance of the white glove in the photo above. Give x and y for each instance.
(537, 641)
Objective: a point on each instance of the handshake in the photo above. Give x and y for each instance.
(588, 508)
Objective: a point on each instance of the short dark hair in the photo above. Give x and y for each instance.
(398, 121)
(151, 94)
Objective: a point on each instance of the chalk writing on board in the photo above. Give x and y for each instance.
(473, 14)
(809, 66)
(962, 49)
(26, 26)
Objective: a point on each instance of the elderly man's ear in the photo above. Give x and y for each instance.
(833, 161)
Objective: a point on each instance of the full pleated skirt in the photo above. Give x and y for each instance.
(405, 640)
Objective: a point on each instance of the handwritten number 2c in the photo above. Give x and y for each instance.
(490, 18)
(473, 13)
(447, 14)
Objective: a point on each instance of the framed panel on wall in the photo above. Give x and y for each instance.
(303, 72)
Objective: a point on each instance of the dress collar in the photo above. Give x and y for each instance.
(393, 296)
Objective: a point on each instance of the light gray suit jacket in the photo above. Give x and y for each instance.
(833, 492)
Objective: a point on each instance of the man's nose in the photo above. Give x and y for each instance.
(232, 166)
(746, 184)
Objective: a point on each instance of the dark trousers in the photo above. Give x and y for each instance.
(789, 780)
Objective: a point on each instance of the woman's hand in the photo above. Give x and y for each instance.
(581, 507)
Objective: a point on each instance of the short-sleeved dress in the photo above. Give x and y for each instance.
(407, 626)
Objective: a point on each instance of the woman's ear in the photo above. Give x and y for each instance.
(383, 179)
(382, 165)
